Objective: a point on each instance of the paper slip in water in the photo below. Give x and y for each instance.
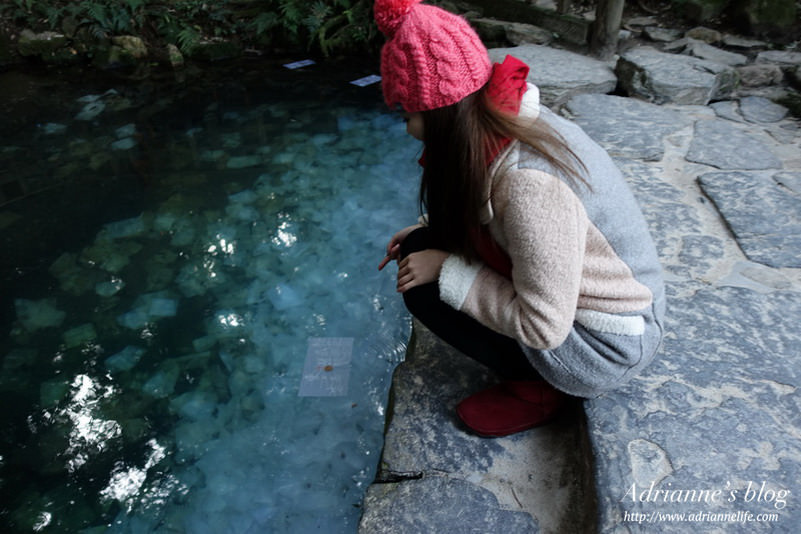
(367, 80)
(299, 64)
(327, 368)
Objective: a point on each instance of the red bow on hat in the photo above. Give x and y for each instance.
(507, 84)
(505, 89)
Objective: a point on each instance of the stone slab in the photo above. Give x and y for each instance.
(764, 216)
(712, 53)
(626, 127)
(438, 504)
(541, 473)
(760, 109)
(717, 411)
(560, 74)
(728, 109)
(663, 35)
(673, 78)
(725, 145)
(784, 58)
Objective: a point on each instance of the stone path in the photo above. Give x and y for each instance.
(713, 426)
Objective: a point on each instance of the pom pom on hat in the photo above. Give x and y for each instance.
(432, 58)
(389, 14)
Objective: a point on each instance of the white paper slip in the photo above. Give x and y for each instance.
(367, 80)
(299, 64)
(327, 368)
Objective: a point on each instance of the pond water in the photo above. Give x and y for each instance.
(195, 337)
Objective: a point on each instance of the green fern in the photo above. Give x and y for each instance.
(133, 5)
(317, 16)
(264, 22)
(188, 38)
(27, 5)
(292, 15)
(53, 16)
(120, 22)
(96, 13)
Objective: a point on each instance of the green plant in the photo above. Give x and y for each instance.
(264, 22)
(328, 26)
(188, 37)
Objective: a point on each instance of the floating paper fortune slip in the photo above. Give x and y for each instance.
(299, 64)
(327, 368)
(367, 80)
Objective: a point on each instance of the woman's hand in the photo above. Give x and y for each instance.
(420, 268)
(393, 248)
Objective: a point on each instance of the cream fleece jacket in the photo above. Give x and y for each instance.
(575, 257)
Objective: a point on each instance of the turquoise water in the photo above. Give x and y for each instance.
(195, 334)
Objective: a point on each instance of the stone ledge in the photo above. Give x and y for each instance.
(537, 479)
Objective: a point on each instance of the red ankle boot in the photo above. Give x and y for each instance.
(510, 407)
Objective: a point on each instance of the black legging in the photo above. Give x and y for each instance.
(500, 353)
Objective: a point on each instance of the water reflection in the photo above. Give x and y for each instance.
(126, 482)
(90, 433)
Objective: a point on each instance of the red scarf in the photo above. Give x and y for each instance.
(506, 87)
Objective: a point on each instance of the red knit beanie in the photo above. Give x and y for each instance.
(432, 58)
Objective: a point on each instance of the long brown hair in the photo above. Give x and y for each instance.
(459, 140)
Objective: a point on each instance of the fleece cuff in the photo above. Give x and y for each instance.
(455, 280)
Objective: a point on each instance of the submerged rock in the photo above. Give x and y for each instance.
(72, 277)
(109, 287)
(125, 360)
(90, 111)
(79, 335)
(243, 162)
(52, 128)
(125, 131)
(162, 384)
(125, 228)
(124, 144)
(37, 314)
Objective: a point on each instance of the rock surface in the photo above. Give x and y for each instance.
(671, 78)
(493, 485)
(720, 144)
(762, 214)
(628, 127)
(398, 508)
